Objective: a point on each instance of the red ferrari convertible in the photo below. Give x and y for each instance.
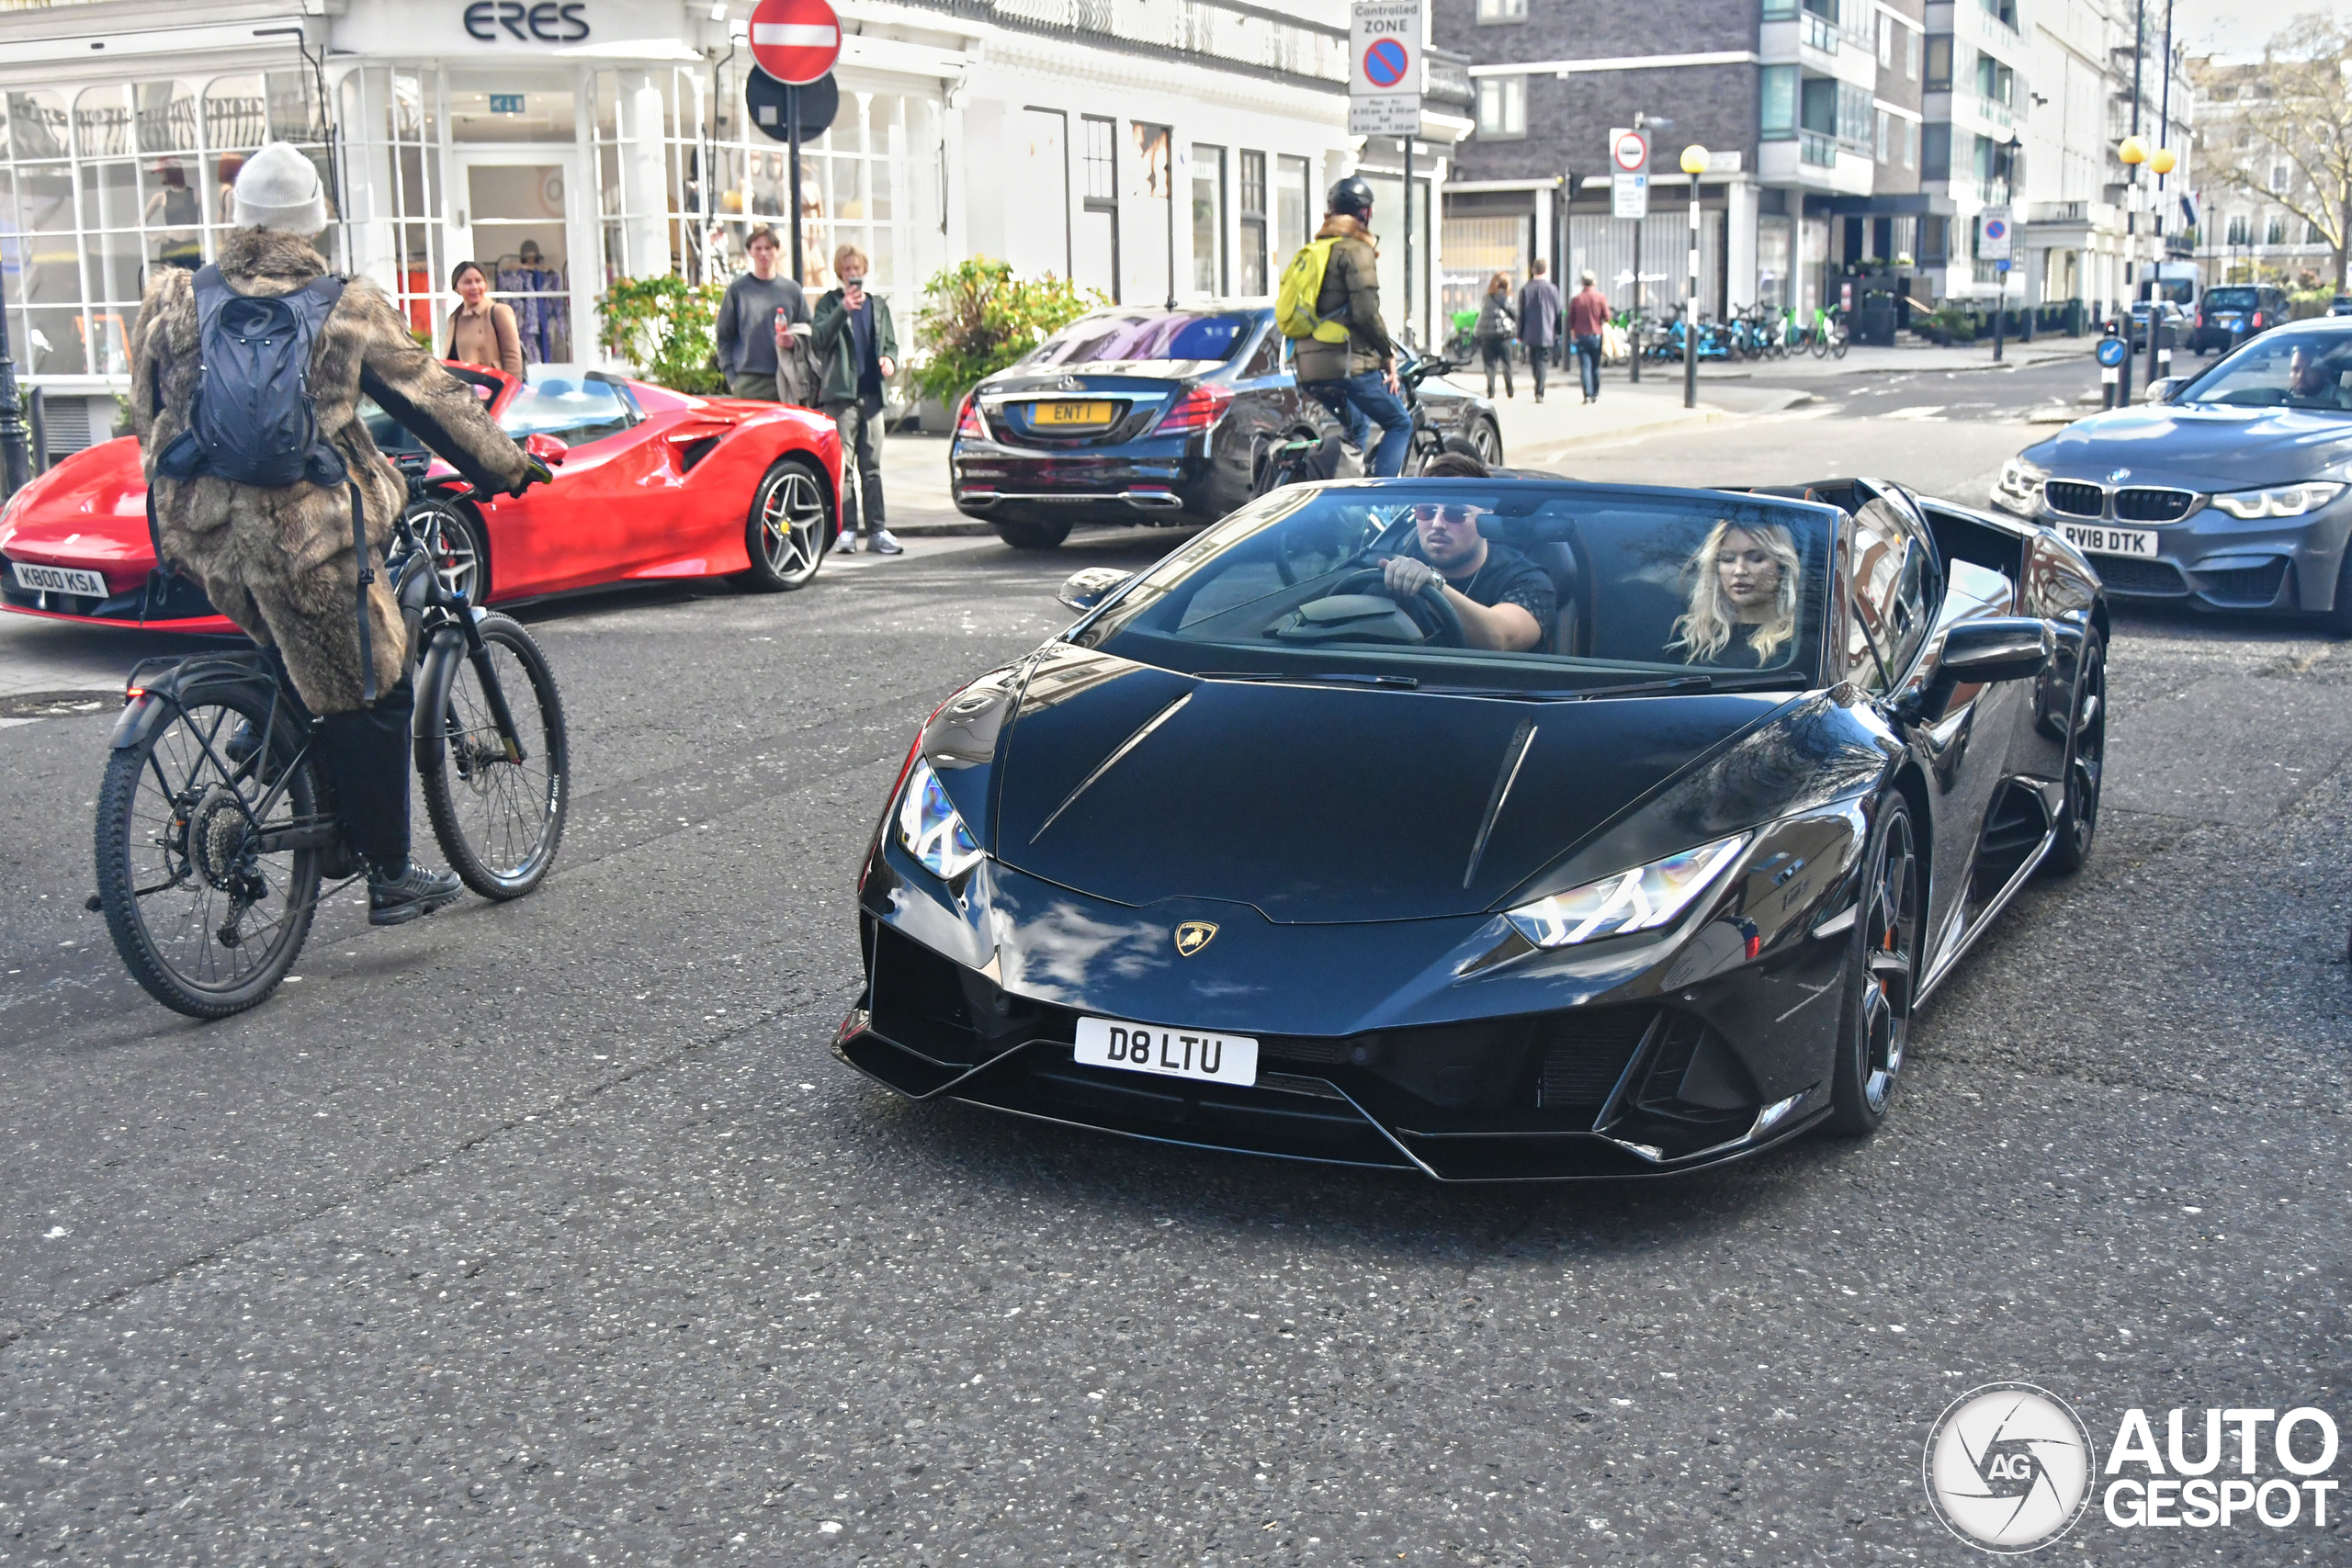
(652, 484)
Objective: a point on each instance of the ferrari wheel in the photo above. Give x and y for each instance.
(452, 542)
(2085, 763)
(790, 526)
(1882, 970)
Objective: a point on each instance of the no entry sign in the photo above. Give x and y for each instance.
(795, 41)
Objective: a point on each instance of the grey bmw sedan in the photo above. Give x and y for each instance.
(2226, 490)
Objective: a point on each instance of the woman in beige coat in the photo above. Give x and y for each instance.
(482, 331)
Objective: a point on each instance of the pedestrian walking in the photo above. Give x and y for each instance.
(1587, 315)
(755, 325)
(1329, 306)
(860, 348)
(1539, 321)
(481, 330)
(1497, 324)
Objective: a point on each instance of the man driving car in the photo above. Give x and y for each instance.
(1504, 600)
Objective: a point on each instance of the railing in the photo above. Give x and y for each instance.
(1817, 149)
(1243, 34)
(1817, 31)
(2059, 212)
(1994, 109)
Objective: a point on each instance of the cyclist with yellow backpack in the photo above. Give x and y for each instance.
(1328, 305)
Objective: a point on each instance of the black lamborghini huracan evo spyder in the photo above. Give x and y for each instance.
(1257, 857)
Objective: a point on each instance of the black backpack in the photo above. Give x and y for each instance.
(254, 422)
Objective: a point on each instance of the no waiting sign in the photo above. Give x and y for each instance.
(1629, 151)
(795, 41)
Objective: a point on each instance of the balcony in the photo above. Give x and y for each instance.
(1817, 148)
(1817, 31)
(1994, 111)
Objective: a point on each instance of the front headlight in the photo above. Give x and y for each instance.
(1641, 900)
(2281, 501)
(929, 829)
(2020, 486)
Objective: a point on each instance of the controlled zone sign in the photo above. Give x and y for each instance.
(795, 41)
(1629, 173)
(1385, 71)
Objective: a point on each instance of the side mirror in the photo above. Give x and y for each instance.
(2162, 391)
(1091, 585)
(548, 449)
(2011, 647)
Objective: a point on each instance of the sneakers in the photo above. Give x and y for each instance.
(847, 543)
(396, 900)
(883, 545)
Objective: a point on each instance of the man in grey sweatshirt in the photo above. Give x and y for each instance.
(758, 305)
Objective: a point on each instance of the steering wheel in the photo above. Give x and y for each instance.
(1428, 609)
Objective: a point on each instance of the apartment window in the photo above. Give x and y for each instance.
(2280, 175)
(1780, 102)
(1883, 148)
(1911, 39)
(2238, 232)
(2278, 234)
(1502, 10)
(1502, 106)
(1817, 106)
(1886, 30)
(1780, 10)
(1208, 219)
(1097, 248)
(1935, 152)
(1910, 143)
(1253, 223)
(1294, 205)
(2312, 236)
(1940, 62)
(1854, 117)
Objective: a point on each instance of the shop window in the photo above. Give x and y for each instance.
(1253, 223)
(1208, 219)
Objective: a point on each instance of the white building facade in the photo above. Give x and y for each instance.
(1153, 152)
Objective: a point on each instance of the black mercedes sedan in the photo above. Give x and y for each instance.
(1146, 415)
(2225, 492)
(1277, 849)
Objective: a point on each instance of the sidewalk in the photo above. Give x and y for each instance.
(1906, 358)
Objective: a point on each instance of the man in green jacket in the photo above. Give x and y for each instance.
(1356, 380)
(853, 334)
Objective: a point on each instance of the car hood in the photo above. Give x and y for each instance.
(89, 510)
(2199, 448)
(1320, 804)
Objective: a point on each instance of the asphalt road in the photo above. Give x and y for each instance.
(552, 1233)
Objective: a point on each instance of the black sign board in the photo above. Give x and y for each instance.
(774, 106)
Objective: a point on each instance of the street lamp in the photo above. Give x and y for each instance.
(1694, 163)
(2133, 152)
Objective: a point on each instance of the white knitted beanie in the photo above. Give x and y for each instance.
(278, 188)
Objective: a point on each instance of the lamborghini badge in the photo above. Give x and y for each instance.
(1193, 936)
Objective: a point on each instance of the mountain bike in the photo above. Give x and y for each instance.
(217, 823)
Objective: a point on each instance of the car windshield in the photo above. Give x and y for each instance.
(1605, 586)
(2295, 370)
(2230, 299)
(1138, 337)
(565, 404)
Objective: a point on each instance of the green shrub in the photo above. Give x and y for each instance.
(661, 327)
(978, 318)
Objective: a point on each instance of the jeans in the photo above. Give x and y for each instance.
(752, 384)
(861, 451)
(1588, 363)
(1496, 351)
(1361, 403)
(1538, 355)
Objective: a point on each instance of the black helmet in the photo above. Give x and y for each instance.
(1350, 195)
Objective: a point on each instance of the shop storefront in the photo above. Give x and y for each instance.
(562, 145)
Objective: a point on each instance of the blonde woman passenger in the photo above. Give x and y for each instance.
(1743, 597)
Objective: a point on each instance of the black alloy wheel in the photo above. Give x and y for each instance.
(791, 526)
(452, 541)
(1487, 442)
(1881, 975)
(1033, 536)
(2086, 762)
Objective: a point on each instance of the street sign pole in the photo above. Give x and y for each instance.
(795, 41)
(792, 153)
(2001, 305)
(1634, 328)
(1385, 77)
(1629, 198)
(1409, 239)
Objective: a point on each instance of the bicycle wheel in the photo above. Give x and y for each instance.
(498, 815)
(206, 921)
